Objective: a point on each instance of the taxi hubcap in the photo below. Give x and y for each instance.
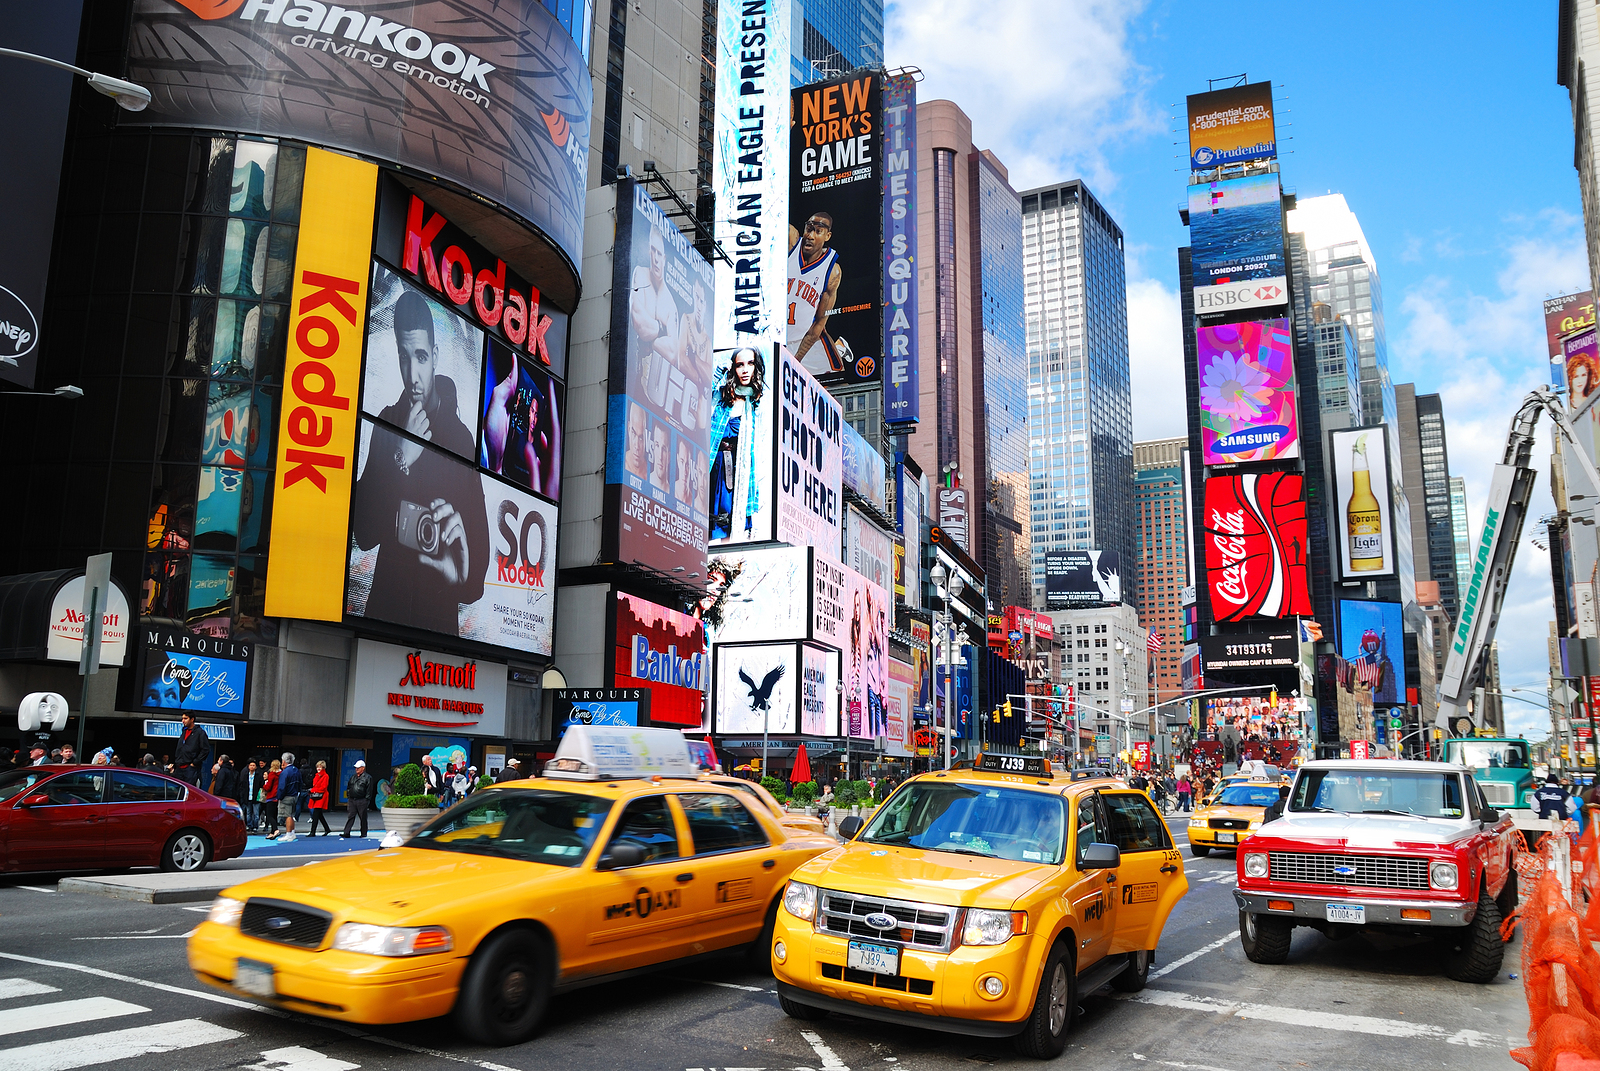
(514, 988)
(188, 852)
(1058, 999)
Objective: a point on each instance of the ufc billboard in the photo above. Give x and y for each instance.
(1254, 531)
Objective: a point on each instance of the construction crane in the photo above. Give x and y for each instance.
(1509, 492)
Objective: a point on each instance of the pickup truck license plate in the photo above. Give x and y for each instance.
(878, 959)
(1355, 913)
(1227, 838)
(255, 978)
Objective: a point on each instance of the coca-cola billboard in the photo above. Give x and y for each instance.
(1255, 545)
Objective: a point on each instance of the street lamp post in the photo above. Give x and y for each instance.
(128, 95)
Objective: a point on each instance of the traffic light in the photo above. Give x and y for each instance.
(1005, 708)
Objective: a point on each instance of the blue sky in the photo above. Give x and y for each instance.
(1443, 127)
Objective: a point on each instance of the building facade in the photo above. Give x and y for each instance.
(1462, 527)
(831, 37)
(1080, 420)
(1161, 547)
(1104, 656)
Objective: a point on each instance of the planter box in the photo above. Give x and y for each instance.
(406, 820)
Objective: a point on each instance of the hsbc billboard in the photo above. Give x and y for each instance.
(495, 97)
(1236, 244)
(1255, 546)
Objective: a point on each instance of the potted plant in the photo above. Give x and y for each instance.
(408, 806)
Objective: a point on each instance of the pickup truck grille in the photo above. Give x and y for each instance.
(1375, 871)
(925, 926)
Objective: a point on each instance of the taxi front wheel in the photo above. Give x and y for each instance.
(1044, 1036)
(804, 1012)
(506, 988)
(1199, 851)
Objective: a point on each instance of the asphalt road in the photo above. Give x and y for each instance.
(88, 982)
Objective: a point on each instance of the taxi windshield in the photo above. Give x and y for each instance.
(996, 822)
(1249, 796)
(540, 826)
(1426, 794)
(15, 782)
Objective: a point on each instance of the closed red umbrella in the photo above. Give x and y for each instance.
(802, 766)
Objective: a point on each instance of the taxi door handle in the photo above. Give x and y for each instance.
(1111, 879)
(685, 877)
(1169, 869)
(768, 864)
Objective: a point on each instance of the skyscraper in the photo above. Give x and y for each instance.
(1578, 50)
(833, 36)
(1006, 554)
(1075, 306)
(1438, 515)
(1159, 536)
(1463, 531)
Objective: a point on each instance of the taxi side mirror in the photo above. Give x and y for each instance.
(621, 853)
(1100, 857)
(38, 799)
(850, 827)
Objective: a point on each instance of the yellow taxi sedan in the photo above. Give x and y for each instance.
(795, 823)
(1231, 816)
(619, 859)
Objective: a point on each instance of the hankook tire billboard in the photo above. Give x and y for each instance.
(495, 97)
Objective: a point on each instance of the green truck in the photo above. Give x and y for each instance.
(1503, 769)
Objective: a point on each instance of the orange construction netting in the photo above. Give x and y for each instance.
(1560, 967)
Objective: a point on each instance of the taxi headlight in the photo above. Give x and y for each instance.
(992, 927)
(1255, 865)
(225, 911)
(392, 940)
(800, 900)
(1197, 823)
(1443, 875)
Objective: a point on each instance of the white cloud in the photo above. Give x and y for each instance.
(1047, 84)
(1155, 357)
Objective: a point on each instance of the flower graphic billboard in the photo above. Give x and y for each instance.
(1247, 392)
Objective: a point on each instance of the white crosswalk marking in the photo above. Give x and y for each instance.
(63, 1013)
(22, 987)
(114, 1045)
(296, 1058)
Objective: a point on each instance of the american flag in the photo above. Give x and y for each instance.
(1152, 640)
(1369, 672)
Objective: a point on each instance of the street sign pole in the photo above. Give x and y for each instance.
(96, 598)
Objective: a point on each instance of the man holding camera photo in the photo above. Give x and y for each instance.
(423, 511)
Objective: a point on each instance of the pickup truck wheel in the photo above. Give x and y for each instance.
(1473, 953)
(1138, 973)
(1265, 937)
(1199, 851)
(1508, 900)
(505, 989)
(1044, 1037)
(804, 1012)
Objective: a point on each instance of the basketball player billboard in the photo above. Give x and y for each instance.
(835, 278)
(661, 403)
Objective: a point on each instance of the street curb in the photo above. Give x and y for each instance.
(149, 889)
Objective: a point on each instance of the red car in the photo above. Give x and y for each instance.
(108, 817)
(1401, 846)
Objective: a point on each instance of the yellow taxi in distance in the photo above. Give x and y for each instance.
(981, 901)
(795, 823)
(1233, 815)
(619, 859)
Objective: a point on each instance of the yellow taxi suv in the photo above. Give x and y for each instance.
(1233, 815)
(981, 901)
(618, 860)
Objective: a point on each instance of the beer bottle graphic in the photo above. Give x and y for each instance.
(1361, 514)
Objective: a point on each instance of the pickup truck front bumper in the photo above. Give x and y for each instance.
(1381, 912)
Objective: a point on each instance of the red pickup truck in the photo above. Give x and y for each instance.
(1402, 846)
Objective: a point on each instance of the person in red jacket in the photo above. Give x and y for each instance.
(319, 800)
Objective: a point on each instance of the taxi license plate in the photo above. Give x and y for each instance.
(877, 959)
(255, 978)
(1356, 913)
(1227, 838)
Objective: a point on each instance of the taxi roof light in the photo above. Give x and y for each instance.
(609, 752)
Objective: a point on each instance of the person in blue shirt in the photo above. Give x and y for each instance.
(1551, 799)
(288, 796)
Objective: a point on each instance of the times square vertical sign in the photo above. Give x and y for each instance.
(750, 167)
